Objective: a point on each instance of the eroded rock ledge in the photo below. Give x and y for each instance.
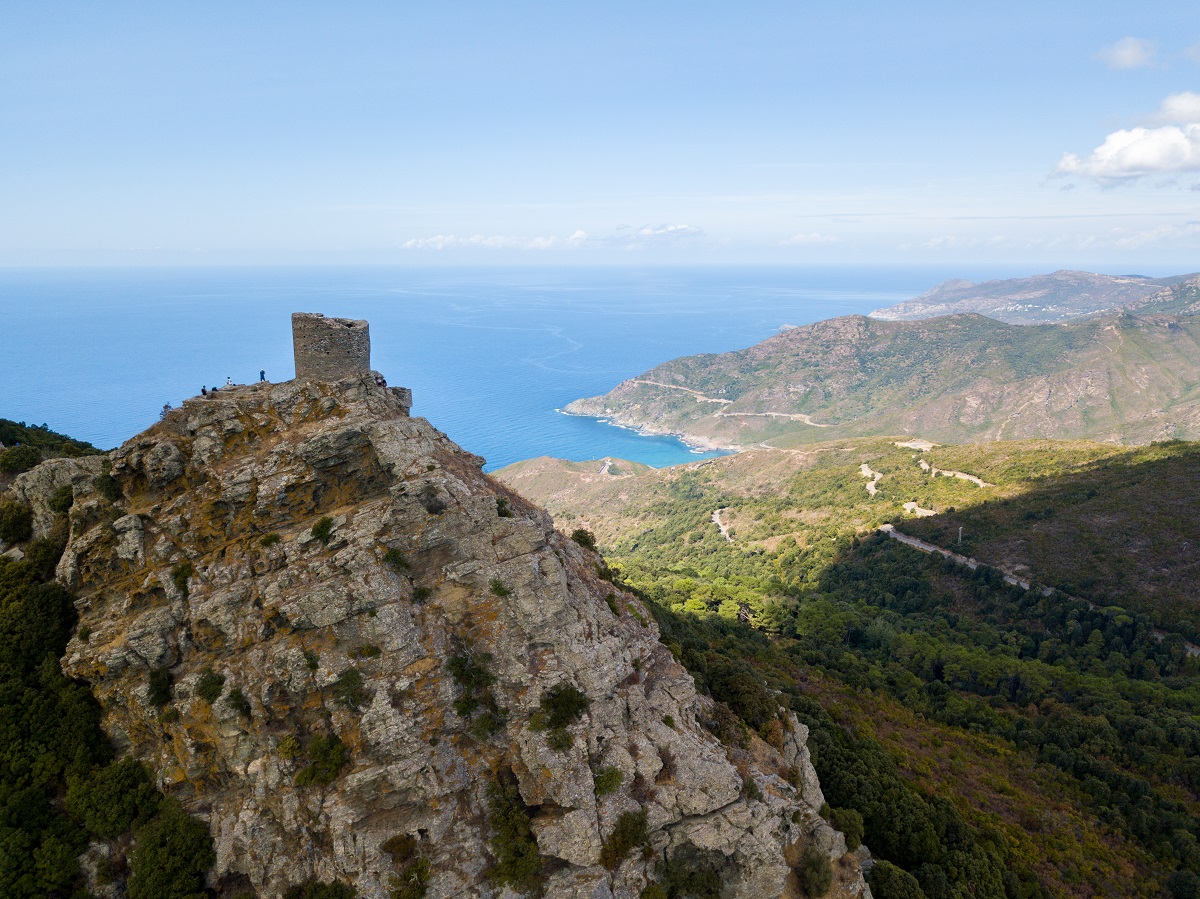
(206, 567)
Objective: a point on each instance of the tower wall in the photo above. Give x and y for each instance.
(329, 349)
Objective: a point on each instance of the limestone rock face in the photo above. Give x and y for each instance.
(327, 556)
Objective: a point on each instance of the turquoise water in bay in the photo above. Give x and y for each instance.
(490, 354)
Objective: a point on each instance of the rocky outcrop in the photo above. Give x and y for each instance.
(362, 632)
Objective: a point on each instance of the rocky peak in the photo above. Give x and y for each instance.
(345, 647)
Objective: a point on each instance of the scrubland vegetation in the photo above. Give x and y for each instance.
(996, 741)
(59, 785)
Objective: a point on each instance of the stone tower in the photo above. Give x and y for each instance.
(329, 349)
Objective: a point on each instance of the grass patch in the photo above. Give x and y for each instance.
(607, 780)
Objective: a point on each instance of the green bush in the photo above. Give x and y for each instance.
(170, 857)
(396, 560)
(348, 689)
(311, 660)
(237, 701)
(269, 539)
(366, 651)
(477, 701)
(62, 499)
(497, 587)
(607, 780)
(502, 509)
(51, 745)
(412, 882)
(655, 891)
(113, 799)
(515, 859)
(326, 756)
(315, 889)
(814, 872)
(159, 692)
(887, 881)
(288, 747)
(850, 823)
(584, 538)
(629, 832)
(323, 529)
(16, 522)
(562, 705)
(43, 554)
(108, 486)
(421, 594)
(210, 686)
(180, 574)
(611, 600)
(401, 848)
(691, 873)
(16, 459)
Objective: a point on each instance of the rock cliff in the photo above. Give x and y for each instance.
(336, 640)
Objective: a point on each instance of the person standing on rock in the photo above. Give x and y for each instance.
(228, 381)
(262, 374)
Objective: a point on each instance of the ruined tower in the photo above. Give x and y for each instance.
(329, 349)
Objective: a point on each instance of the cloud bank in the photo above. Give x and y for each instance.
(1171, 148)
(625, 236)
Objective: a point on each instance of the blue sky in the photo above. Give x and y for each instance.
(1055, 134)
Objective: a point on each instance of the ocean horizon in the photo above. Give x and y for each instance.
(492, 355)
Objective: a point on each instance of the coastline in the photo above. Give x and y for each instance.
(694, 442)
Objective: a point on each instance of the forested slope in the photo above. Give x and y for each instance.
(965, 718)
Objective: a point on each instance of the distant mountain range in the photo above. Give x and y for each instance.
(1056, 297)
(954, 379)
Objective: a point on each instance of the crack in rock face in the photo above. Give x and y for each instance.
(362, 639)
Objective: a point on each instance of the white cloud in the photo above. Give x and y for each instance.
(479, 241)
(578, 239)
(1128, 53)
(802, 240)
(1178, 109)
(1169, 149)
(1134, 152)
(667, 232)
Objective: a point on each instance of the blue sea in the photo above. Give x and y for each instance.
(490, 354)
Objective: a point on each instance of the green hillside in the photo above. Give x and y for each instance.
(1060, 730)
(960, 378)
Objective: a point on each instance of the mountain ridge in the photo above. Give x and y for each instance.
(958, 378)
(1060, 296)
